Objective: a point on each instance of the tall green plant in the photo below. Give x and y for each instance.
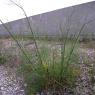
(45, 74)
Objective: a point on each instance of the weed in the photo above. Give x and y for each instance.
(46, 76)
(2, 59)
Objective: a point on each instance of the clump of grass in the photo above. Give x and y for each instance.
(46, 76)
(50, 72)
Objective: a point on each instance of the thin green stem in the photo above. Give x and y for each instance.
(29, 24)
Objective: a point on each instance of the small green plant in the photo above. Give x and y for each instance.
(2, 59)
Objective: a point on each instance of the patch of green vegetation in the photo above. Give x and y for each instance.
(2, 59)
(50, 74)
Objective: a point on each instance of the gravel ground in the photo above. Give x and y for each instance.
(85, 86)
(9, 85)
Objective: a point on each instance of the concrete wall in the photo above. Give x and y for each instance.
(49, 23)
